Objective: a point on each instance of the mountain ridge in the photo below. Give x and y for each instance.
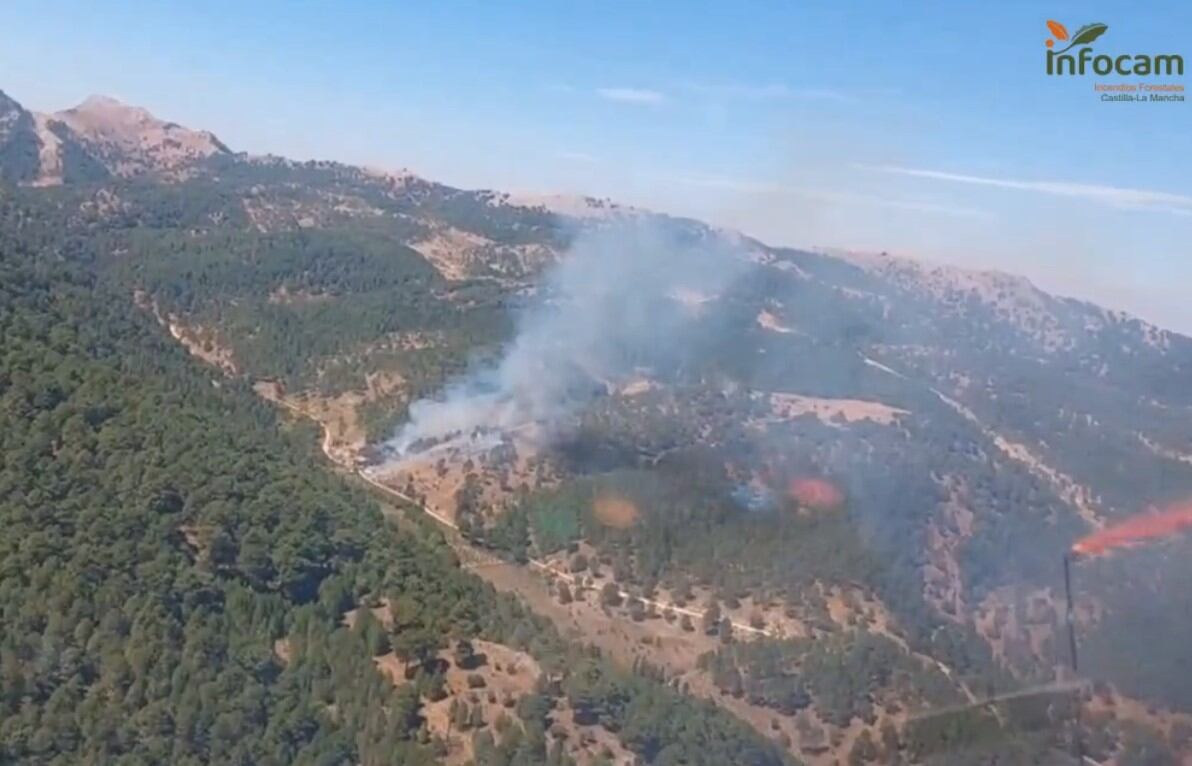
(506, 240)
(969, 425)
(98, 138)
(105, 138)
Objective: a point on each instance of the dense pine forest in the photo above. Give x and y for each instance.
(163, 533)
(184, 577)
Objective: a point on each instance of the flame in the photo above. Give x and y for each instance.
(615, 511)
(1144, 526)
(815, 493)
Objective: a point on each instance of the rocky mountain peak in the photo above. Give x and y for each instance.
(100, 138)
(129, 140)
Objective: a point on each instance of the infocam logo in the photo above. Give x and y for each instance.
(1082, 61)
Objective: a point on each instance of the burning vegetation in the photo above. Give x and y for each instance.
(669, 451)
(815, 493)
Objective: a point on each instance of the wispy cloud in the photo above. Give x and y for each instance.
(739, 185)
(820, 94)
(725, 92)
(1114, 196)
(573, 156)
(896, 203)
(827, 197)
(632, 95)
(765, 92)
(919, 206)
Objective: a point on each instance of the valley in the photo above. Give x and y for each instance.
(654, 637)
(706, 495)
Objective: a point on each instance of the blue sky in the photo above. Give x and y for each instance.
(927, 129)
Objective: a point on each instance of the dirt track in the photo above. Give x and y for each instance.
(696, 614)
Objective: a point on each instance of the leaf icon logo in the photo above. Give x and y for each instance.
(1057, 29)
(1088, 33)
(1084, 36)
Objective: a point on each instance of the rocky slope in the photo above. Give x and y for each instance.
(975, 424)
(99, 138)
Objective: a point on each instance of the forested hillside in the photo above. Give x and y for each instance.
(175, 569)
(872, 464)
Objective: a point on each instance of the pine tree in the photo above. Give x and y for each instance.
(460, 715)
(476, 720)
(711, 618)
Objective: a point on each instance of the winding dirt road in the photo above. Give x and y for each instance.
(538, 564)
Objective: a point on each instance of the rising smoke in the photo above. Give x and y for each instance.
(626, 297)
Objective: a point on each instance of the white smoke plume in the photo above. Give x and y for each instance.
(627, 296)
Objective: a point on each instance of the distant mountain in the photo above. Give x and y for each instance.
(99, 138)
(976, 425)
(19, 147)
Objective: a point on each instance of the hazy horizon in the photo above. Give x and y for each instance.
(960, 152)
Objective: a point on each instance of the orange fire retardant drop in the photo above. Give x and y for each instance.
(1144, 526)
